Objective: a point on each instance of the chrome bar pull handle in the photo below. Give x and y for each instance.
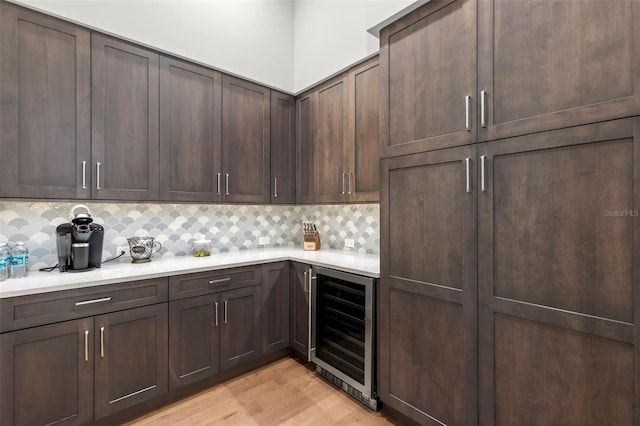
(349, 191)
(226, 184)
(226, 311)
(483, 183)
(98, 175)
(86, 345)
(483, 110)
(306, 282)
(275, 187)
(467, 163)
(218, 180)
(215, 308)
(221, 280)
(84, 175)
(92, 301)
(344, 175)
(102, 342)
(467, 113)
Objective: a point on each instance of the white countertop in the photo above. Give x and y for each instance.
(111, 273)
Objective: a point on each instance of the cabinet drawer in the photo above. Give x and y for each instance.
(29, 311)
(190, 285)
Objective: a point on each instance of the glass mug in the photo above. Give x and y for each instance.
(142, 248)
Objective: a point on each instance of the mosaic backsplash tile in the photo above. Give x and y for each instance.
(176, 226)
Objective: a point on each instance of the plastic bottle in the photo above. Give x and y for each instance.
(5, 261)
(19, 260)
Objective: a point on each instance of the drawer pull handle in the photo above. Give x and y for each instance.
(86, 345)
(91, 302)
(221, 280)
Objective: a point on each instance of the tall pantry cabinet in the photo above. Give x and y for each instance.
(510, 224)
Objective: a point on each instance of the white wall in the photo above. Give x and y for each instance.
(250, 38)
(330, 35)
(287, 44)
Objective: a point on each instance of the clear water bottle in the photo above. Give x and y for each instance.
(19, 260)
(5, 261)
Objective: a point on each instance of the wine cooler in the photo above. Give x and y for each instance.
(343, 330)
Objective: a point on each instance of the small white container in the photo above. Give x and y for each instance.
(202, 248)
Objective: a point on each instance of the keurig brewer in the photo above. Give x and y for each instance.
(79, 242)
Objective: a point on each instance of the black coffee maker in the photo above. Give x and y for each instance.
(79, 242)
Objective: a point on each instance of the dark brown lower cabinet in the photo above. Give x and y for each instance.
(130, 358)
(72, 372)
(194, 339)
(240, 334)
(558, 277)
(212, 333)
(427, 317)
(300, 320)
(275, 307)
(46, 374)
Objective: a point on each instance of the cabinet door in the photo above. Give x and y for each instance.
(245, 141)
(47, 375)
(305, 134)
(130, 358)
(329, 147)
(364, 160)
(428, 65)
(428, 297)
(275, 307)
(45, 106)
(551, 64)
(300, 316)
(194, 336)
(124, 125)
(240, 334)
(190, 131)
(559, 238)
(283, 149)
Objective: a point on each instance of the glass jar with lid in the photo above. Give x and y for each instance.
(202, 248)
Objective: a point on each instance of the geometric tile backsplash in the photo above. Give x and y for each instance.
(176, 226)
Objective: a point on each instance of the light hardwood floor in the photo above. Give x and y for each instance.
(282, 393)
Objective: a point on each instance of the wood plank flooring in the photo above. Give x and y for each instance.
(285, 392)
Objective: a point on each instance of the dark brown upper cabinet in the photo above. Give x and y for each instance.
(283, 148)
(338, 144)
(364, 162)
(428, 65)
(245, 142)
(546, 65)
(190, 131)
(305, 105)
(328, 151)
(44, 106)
(124, 125)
